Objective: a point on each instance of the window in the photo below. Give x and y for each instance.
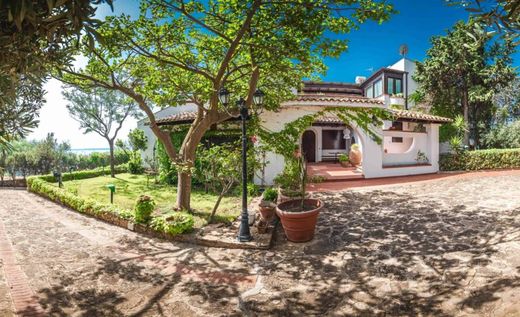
(378, 88)
(394, 86)
(370, 92)
(397, 125)
(397, 139)
(332, 140)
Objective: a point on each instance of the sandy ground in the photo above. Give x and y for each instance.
(447, 247)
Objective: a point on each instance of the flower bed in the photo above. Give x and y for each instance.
(480, 160)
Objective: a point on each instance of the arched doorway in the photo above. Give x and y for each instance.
(309, 146)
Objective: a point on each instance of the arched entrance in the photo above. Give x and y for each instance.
(309, 146)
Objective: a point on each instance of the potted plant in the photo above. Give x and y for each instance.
(300, 215)
(355, 154)
(421, 157)
(267, 204)
(289, 181)
(344, 160)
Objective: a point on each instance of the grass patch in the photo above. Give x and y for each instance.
(129, 187)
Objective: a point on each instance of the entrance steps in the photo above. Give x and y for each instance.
(331, 172)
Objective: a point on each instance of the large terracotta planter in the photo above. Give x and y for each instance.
(299, 226)
(283, 198)
(355, 156)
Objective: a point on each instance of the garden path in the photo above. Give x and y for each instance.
(445, 247)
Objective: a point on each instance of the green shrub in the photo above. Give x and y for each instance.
(144, 207)
(270, 194)
(343, 158)
(135, 165)
(480, 159)
(173, 223)
(82, 174)
(40, 186)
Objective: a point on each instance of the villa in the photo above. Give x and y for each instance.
(410, 142)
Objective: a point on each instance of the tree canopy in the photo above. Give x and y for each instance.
(34, 35)
(462, 72)
(180, 52)
(500, 14)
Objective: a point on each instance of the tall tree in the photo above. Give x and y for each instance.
(101, 111)
(462, 72)
(185, 51)
(500, 14)
(35, 34)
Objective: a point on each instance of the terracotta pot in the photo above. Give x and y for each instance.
(355, 157)
(344, 163)
(299, 226)
(267, 211)
(283, 198)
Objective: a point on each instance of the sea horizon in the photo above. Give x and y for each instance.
(89, 150)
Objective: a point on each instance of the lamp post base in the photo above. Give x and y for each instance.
(244, 238)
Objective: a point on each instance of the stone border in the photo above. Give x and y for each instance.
(199, 237)
(23, 298)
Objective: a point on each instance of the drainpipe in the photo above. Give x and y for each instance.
(406, 90)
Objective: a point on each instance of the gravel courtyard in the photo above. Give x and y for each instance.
(445, 247)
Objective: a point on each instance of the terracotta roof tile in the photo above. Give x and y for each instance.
(399, 114)
(336, 98)
(186, 116)
(407, 114)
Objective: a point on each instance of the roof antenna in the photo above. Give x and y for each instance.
(403, 50)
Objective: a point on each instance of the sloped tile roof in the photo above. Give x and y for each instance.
(181, 117)
(336, 98)
(398, 114)
(412, 115)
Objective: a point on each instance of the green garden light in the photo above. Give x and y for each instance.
(112, 189)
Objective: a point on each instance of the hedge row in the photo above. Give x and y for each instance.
(84, 174)
(480, 160)
(180, 223)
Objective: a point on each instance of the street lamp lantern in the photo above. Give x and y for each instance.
(258, 97)
(224, 96)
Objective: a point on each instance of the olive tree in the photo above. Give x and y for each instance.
(101, 111)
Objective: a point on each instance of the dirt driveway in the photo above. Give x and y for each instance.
(447, 247)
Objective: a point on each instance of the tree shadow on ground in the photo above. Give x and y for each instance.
(380, 253)
(143, 277)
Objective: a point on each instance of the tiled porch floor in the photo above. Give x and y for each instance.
(333, 171)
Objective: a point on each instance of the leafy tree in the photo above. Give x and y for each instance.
(137, 140)
(186, 51)
(507, 103)
(462, 72)
(101, 111)
(18, 115)
(502, 14)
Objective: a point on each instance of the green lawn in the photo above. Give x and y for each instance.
(129, 187)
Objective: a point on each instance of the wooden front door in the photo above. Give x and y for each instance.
(309, 146)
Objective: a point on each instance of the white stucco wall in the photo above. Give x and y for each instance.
(408, 66)
(374, 160)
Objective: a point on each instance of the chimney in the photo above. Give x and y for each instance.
(360, 79)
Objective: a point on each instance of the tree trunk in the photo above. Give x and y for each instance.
(187, 154)
(465, 109)
(112, 159)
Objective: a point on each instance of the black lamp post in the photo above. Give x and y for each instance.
(244, 234)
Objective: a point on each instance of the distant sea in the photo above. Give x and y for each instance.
(89, 150)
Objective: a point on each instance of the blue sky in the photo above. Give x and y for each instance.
(373, 46)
